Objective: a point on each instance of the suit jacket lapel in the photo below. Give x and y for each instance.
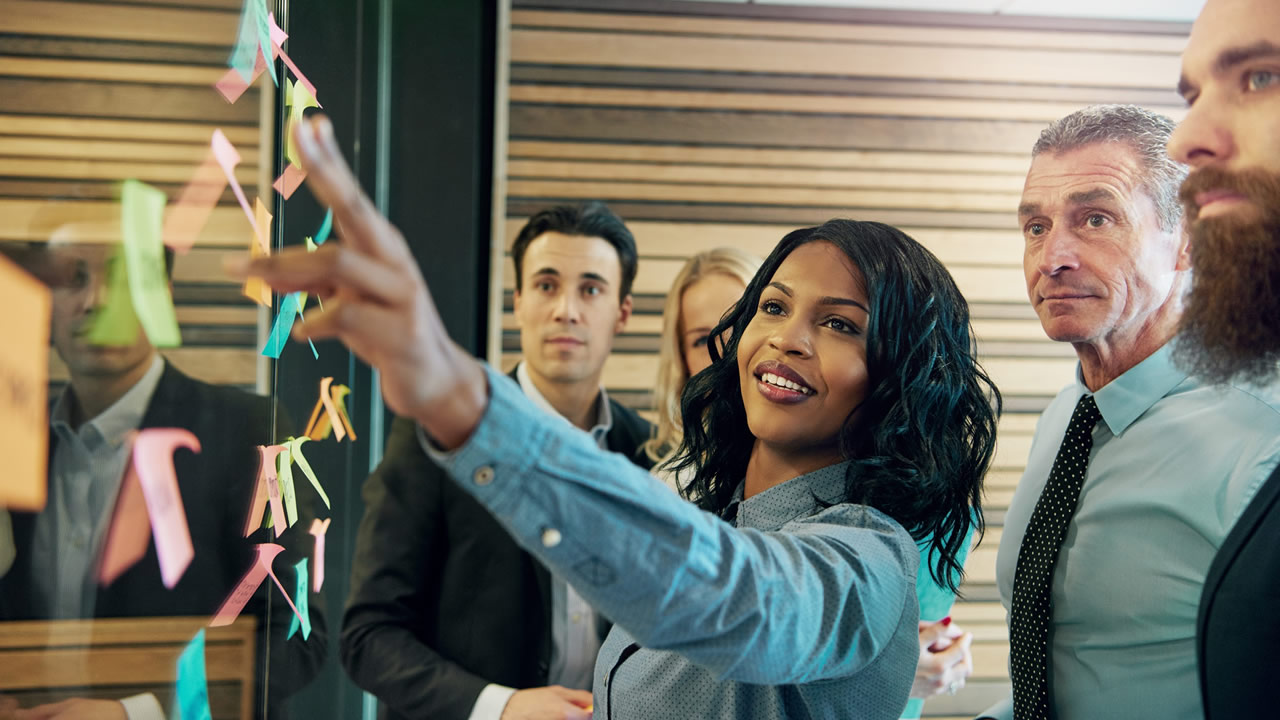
(1268, 495)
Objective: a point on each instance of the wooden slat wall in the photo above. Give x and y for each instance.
(707, 124)
(92, 93)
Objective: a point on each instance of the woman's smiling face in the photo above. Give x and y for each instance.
(802, 360)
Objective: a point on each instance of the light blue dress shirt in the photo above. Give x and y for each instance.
(1174, 462)
(799, 611)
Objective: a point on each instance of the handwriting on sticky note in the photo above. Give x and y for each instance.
(129, 534)
(303, 617)
(284, 478)
(318, 529)
(279, 522)
(258, 500)
(249, 584)
(24, 381)
(153, 459)
(192, 696)
(142, 222)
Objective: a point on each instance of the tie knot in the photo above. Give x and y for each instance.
(1086, 414)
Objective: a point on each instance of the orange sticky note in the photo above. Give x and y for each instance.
(326, 416)
(254, 288)
(24, 383)
(130, 532)
(248, 585)
(185, 219)
(258, 502)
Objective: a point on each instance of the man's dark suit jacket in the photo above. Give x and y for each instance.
(1238, 629)
(216, 487)
(443, 601)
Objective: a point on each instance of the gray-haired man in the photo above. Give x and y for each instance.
(1137, 471)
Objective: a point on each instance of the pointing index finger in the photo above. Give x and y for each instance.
(364, 228)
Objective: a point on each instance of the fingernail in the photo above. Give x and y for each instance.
(945, 621)
(236, 266)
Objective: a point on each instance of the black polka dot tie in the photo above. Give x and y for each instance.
(1033, 579)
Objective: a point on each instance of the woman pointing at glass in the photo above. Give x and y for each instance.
(847, 406)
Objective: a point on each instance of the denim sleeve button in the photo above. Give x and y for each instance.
(483, 475)
(551, 537)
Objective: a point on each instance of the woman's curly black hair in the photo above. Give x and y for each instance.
(924, 436)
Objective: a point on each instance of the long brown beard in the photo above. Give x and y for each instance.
(1231, 323)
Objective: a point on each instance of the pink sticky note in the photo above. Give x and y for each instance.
(249, 584)
(289, 181)
(258, 502)
(130, 532)
(278, 36)
(232, 86)
(153, 459)
(228, 158)
(339, 431)
(319, 528)
(187, 217)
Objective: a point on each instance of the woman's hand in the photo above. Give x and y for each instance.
(945, 660)
(376, 301)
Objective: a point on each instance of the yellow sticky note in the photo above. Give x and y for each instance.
(254, 288)
(24, 383)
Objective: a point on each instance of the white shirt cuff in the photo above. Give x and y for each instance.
(490, 704)
(142, 707)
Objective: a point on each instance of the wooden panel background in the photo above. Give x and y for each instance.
(94, 92)
(707, 124)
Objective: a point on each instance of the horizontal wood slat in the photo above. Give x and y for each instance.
(120, 22)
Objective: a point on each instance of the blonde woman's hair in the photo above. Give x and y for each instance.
(671, 367)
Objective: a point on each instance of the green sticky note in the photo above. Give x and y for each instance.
(115, 323)
(300, 601)
(284, 476)
(141, 223)
(295, 450)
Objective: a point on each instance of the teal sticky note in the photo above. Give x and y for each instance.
(192, 697)
(141, 224)
(115, 323)
(325, 228)
(262, 20)
(244, 55)
(282, 327)
(300, 601)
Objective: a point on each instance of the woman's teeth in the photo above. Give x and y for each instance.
(785, 383)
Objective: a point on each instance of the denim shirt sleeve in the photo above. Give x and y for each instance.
(818, 599)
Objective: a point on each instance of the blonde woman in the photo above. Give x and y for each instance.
(704, 290)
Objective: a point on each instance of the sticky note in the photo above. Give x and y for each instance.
(258, 500)
(299, 99)
(303, 617)
(248, 585)
(264, 23)
(192, 696)
(318, 529)
(115, 322)
(289, 181)
(282, 326)
(284, 478)
(277, 35)
(254, 288)
(339, 394)
(24, 383)
(248, 45)
(295, 453)
(325, 416)
(227, 157)
(129, 534)
(153, 460)
(279, 521)
(231, 85)
(187, 217)
(278, 51)
(141, 223)
(326, 226)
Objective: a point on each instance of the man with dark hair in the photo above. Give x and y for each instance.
(1231, 328)
(1137, 469)
(112, 391)
(448, 617)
